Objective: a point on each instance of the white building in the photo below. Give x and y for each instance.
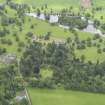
(31, 14)
(42, 17)
(90, 28)
(54, 19)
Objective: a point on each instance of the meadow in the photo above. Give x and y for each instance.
(62, 97)
(59, 3)
(40, 29)
(56, 5)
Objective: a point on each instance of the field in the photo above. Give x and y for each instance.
(19, 37)
(60, 3)
(40, 29)
(56, 5)
(62, 97)
(91, 54)
(56, 34)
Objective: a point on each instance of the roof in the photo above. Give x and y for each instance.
(53, 19)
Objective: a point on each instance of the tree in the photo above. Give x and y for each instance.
(82, 58)
(38, 12)
(32, 59)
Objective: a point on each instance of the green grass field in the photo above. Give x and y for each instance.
(45, 96)
(91, 54)
(62, 97)
(46, 73)
(52, 3)
(41, 28)
(57, 33)
(55, 97)
(59, 3)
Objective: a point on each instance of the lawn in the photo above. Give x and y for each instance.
(100, 3)
(46, 73)
(52, 3)
(91, 54)
(40, 29)
(62, 97)
(59, 3)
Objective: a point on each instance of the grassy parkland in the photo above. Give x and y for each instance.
(24, 33)
(62, 97)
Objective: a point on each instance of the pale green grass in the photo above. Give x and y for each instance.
(43, 27)
(10, 12)
(100, 3)
(62, 97)
(46, 73)
(40, 29)
(57, 33)
(2, 65)
(91, 54)
(2, 1)
(63, 3)
(51, 2)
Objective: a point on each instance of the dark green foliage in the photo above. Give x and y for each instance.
(7, 85)
(6, 41)
(47, 36)
(38, 12)
(103, 26)
(2, 33)
(45, 83)
(68, 71)
(31, 64)
(73, 22)
(29, 34)
(96, 23)
(2, 51)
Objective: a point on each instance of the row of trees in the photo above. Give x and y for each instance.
(73, 22)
